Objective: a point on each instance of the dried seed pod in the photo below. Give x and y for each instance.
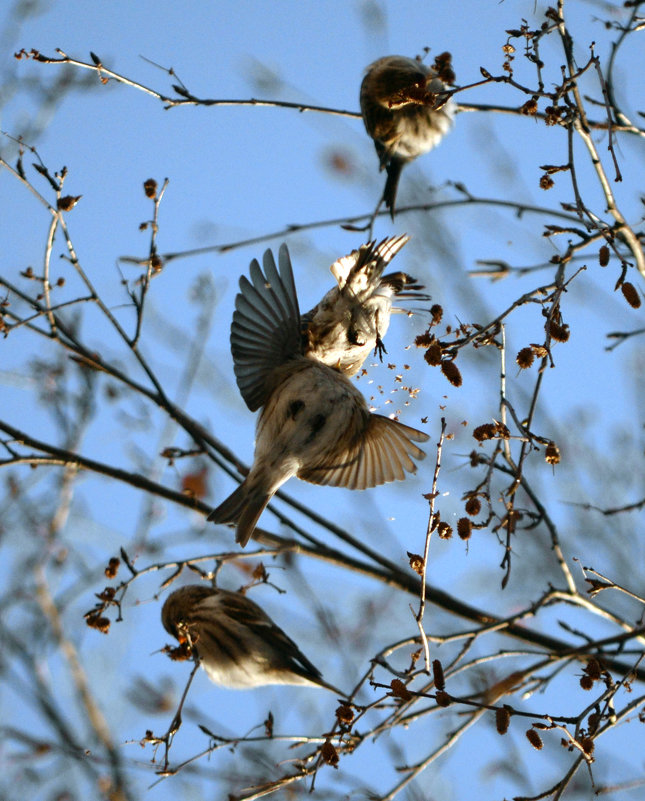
(552, 453)
(502, 719)
(559, 332)
(631, 295)
(329, 754)
(525, 358)
(534, 738)
(400, 690)
(451, 371)
(150, 188)
(345, 714)
(546, 182)
(464, 528)
(437, 673)
(530, 107)
(433, 354)
(67, 202)
(483, 432)
(473, 506)
(444, 530)
(112, 568)
(603, 256)
(416, 562)
(442, 698)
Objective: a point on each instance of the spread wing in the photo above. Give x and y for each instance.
(265, 332)
(361, 270)
(382, 454)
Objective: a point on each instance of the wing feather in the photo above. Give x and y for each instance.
(265, 332)
(382, 453)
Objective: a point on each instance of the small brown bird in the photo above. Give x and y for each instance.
(353, 317)
(237, 642)
(398, 97)
(314, 423)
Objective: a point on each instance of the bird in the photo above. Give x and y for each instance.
(238, 644)
(353, 317)
(314, 422)
(398, 97)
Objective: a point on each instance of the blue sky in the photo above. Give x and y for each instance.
(241, 172)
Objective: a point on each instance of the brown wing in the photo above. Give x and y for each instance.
(266, 326)
(382, 454)
(245, 611)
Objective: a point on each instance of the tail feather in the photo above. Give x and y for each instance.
(243, 507)
(393, 169)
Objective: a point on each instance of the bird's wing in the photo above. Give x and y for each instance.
(265, 332)
(381, 454)
(361, 270)
(246, 611)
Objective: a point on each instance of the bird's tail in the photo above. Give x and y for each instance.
(393, 169)
(242, 507)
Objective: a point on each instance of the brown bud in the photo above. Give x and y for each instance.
(473, 506)
(603, 256)
(534, 738)
(179, 654)
(525, 358)
(442, 698)
(485, 431)
(67, 202)
(559, 332)
(329, 753)
(437, 672)
(631, 295)
(156, 263)
(586, 682)
(433, 354)
(96, 621)
(60, 281)
(436, 313)
(530, 107)
(345, 714)
(451, 371)
(422, 341)
(508, 49)
(464, 528)
(112, 568)
(502, 719)
(150, 188)
(444, 530)
(546, 182)
(416, 562)
(400, 690)
(552, 453)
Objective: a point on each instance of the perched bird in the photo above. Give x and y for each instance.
(353, 317)
(398, 97)
(237, 642)
(314, 422)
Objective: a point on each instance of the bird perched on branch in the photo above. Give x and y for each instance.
(404, 112)
(237, 642)
(314, 423)
(353, 317)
